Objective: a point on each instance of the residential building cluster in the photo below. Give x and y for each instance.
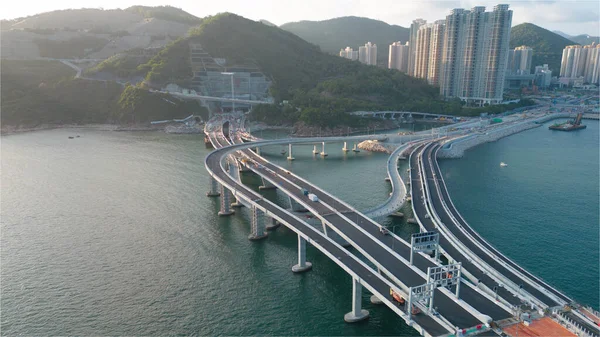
(518, 68)
(542, 76)
(366, 54)
(519, 60)
(466, 54)
(580, 65)
(398, 56)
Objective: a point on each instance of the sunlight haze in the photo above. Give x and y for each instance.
(571, 17)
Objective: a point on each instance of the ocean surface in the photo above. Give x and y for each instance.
(112, 234)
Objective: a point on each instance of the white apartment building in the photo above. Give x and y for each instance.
(398, 56)
(367, 54)
(519, 60)
(349, 53)
(581, 61)
(475, 54)
(412, 39)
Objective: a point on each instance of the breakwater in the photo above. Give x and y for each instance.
(455, 148)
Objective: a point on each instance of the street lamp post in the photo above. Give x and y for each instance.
(232, 91)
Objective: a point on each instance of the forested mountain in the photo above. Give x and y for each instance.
(350, 31)
(319, 87)
(585, 39)
(45, 92)
(332, 35)
(547, 46)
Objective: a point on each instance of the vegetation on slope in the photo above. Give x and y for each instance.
(170, 65)
(123, 65)
(585, 39)
(45, 92)
(74, 47)
(167, 13)
(137, 105)
(335, 34)
(291, 62)
(547, 46)
(320, 88)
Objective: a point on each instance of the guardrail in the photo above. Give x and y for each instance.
(510, 265)
(308, 206)
(473, 258)
(326, 252)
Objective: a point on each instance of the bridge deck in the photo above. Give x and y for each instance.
(375, 280)
(446, 306)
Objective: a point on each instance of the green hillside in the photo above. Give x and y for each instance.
(335, 34)
(585, 39)
(167, 13)
(45, 92)
(547, 46)
(320, 88)
(309, 78)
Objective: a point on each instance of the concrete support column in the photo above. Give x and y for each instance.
(257, 226)
(234, 172)
(225, 202)
(315, 151)
(355, 148)
(214, 188)
(302, 265)
(323, 153)
(358, 313)
(273, 225)
(257, 150)
(266, 185)
(345, 148)
(290, 157)
(374, 299)
(296, 207)
(242, 167)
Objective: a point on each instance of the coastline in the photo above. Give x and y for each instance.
(12, 130)
(456, 148)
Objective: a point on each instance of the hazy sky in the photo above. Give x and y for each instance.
(572, 17)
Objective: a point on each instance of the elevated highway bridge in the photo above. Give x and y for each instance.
(471, 302)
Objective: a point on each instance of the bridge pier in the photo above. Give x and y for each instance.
(233, 170)
(302, 265)
(258, 225)
(225, 202)
(273, 225)
(315, 151)
(296, 207)
(323, 153)
(257, 150)
(290, 157)
(214, 188)
(266, 185)
(242, 167)
(374, 299)
(355, 148)
(345, 148)
(357, 314)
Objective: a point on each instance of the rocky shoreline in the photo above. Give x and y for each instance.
(457, 147)
(376, 146)
(9, 130)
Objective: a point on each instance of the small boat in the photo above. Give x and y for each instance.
(71, 137)
(502, 164)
